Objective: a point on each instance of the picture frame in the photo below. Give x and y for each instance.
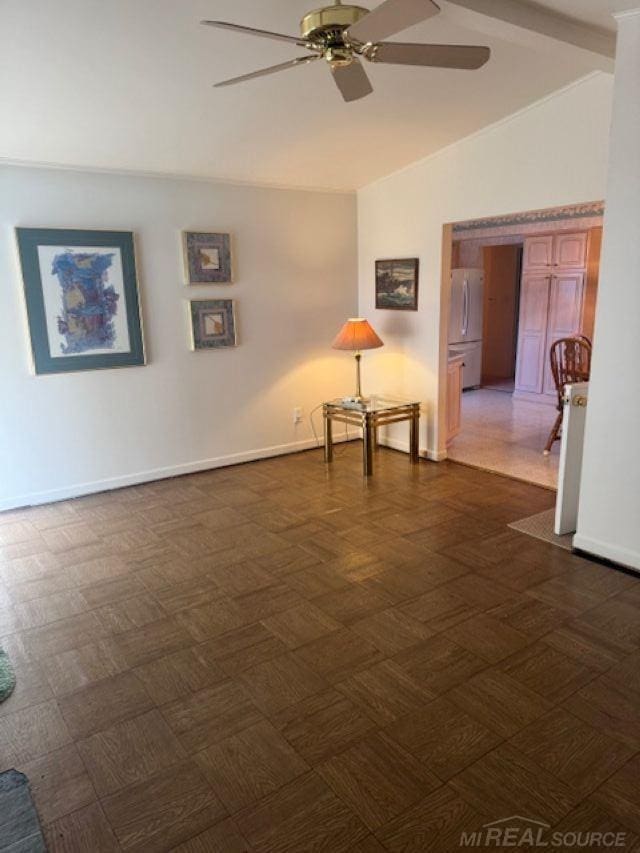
(397, 284)
(208, 257)
(213, 324)
(82, 299)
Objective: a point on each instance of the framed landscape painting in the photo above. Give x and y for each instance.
(81, 294)
(213, 323)
(397, 284)
(207, 257)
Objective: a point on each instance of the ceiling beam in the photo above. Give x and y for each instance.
(518, 20)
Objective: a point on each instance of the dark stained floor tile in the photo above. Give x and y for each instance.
(505, 782)
(129, 752)
(548, 672)
(104, 704)
(378, 779)
(608, 708)
(339, 655)
(303, 815)
(85, 829)
(208, 716)
(439, 664)
(301, 624)
(164, 810)
(620, 795)
(322, 725)
(224, 837)
(489, 638)
(59, 783)
(384, 692)
(391, 631)
(249, 765)
(280, 682)
(444, 737)
(500, 702)
(574, 752)
(435, 823)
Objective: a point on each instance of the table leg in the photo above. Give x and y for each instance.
(328, 439)
(367, 441)
(415, 438)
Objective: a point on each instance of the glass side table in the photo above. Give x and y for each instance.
(369, 415)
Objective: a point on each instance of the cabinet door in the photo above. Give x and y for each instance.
(570, 251)
(565, 312)
(538, 253)
(532, 334)
(454, 399)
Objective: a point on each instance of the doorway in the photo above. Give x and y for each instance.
(501, 421)
(501, 305)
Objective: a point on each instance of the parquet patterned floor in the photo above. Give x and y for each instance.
(276, 658)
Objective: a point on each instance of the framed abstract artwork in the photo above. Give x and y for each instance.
(81, 294)
(213, 323)
(207, 258)
(397, 284)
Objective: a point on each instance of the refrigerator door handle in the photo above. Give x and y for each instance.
(465, 308)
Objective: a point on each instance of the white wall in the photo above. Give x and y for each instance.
(609, 518)
(296, 284)
(552, 154)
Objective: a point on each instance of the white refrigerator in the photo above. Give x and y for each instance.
(465, 322)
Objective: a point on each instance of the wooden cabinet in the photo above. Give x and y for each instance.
(454, 397)
(570, 251)
(551, 306)
(565, 312)
(532, 334)
(538, 253)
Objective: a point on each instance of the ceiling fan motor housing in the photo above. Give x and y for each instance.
(328, 24)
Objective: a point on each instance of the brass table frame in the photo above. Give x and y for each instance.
(369, 422)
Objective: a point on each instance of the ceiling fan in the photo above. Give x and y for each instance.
(342, 33)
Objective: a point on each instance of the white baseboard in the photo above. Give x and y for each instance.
(79, 489)
(623, 556)
(403, 447)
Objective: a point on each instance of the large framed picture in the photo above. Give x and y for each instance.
(81, 293)
(397, 284)
(207, 257)
(213, 323)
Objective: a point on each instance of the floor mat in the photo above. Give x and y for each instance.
(20, 830)
(541, 526)
(7, 677)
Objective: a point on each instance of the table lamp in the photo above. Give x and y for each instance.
(357, 335)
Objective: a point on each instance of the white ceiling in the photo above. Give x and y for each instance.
(595, 12)
(127, 85)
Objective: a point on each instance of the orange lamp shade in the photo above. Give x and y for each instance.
(357, 335)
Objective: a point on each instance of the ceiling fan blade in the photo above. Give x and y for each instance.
(391, 17)
(352, 81)
(466, 57)
(292, 63)
(238, 28)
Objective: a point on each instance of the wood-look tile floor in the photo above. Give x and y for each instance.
(280, 657)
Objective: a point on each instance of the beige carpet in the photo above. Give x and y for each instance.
(541, 526)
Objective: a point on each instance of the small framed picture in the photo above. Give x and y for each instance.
(81, 293)
(397, 284)
(213, 323)
(207, 257)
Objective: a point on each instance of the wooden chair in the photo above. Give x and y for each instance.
(570, 362)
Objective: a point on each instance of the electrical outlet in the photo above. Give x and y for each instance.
(297, 415)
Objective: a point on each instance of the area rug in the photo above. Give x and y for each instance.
(7, 677)
(541, 527)
(20, 830)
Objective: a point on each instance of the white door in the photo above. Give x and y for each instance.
(570, 473)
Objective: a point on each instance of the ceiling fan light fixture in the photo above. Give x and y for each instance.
(338, 57)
